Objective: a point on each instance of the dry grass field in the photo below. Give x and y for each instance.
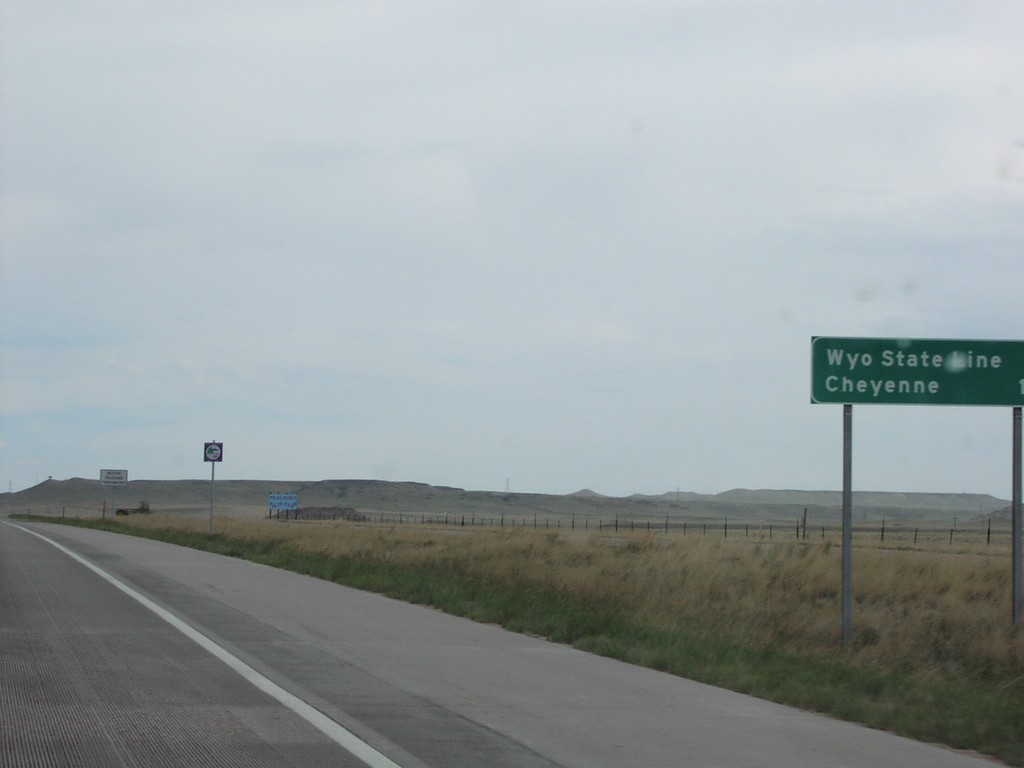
(925, 610)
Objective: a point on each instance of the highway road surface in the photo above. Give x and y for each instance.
(117, 651)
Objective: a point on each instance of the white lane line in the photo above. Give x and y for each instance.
(337, 733)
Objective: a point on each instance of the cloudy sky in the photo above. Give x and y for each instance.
(553, 244)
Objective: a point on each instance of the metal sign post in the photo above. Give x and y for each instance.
(874, 371)
(847, 525)
(212, 452)
(1018, 576)
(112, 478)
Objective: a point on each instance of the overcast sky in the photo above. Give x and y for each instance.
(553, 244)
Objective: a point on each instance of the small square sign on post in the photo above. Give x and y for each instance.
(213, 452)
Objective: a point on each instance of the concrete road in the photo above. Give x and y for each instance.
(87, 669)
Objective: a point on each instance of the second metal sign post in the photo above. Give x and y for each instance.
(213, 452)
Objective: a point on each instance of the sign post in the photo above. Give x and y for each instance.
(212, 452)
(112, 478)
(877, 371)
(1018, 576)
(847, 606)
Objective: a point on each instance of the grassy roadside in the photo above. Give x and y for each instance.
(933, 656)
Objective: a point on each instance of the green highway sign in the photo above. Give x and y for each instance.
(917, 371)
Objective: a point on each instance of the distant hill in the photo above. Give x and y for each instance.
(248, 498)
(966, 502)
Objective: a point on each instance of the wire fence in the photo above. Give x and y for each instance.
(989, 533)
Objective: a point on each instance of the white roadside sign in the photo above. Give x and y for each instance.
(117, 478)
